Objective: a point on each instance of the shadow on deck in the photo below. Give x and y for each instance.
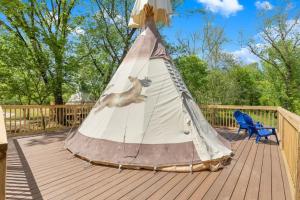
(40, 168)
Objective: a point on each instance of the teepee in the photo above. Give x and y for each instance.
(146, 117)
(79, 98)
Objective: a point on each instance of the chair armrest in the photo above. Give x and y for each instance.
(265, 127)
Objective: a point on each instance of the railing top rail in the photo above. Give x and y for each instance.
(45, 106)
(271, 108)
(3, 136)
(292, 118)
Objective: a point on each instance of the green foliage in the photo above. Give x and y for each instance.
(43, 59)
(194, 72)
(246, 80)
(41, 31)
(238, 84)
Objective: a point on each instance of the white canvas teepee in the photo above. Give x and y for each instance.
(79, 98)
(147, 118)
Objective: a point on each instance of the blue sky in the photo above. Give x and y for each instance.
(234, 16)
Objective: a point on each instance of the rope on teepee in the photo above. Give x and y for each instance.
(144, 133)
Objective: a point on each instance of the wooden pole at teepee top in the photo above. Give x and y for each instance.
(148, 10)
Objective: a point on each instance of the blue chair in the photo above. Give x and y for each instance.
(259, 129)
(238, 115)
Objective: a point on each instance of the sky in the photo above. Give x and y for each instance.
(235, 16)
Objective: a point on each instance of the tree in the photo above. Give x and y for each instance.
(208, 44)
(42, 27)
(20, 79)
(245, 81)
(107, 40)
(194, 72)
(278, 47)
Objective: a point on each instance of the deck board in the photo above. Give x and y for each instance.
(40, 168)
(265, 190)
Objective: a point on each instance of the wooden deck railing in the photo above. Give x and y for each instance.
(289, 134)
(3, 149)
(32, 118)
(288, 128)
(222, 116)
(20, 119)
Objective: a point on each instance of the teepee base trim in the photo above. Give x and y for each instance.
(76, 140)
(212, 165)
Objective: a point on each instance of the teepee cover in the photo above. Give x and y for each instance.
(147, 118)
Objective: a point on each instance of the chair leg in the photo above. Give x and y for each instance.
(250, 135)
(257, 138)
(276, 138)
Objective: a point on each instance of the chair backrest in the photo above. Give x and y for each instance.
(248, 119)
(238, 115)
(250, 124)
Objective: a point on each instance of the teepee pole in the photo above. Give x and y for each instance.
(149, 13)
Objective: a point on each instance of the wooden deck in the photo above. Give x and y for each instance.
(40, 168)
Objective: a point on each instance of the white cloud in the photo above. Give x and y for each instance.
(263, 5)
(273, 31)
(117, 19)
(225, 7)
(77, 31)
(245, 56)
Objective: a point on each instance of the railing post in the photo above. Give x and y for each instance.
(213, 114)
(3, 151)
(297, 192)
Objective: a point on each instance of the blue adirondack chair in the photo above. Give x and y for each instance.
(259, 129)
(238, 115)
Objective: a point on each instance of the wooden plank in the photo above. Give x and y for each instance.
(191, 188)
(173, 193)
(210, 180)
(51, 190)
(265, 191)
(18, 182)
(205, 186)
(217, 186)
(241, 186)
(236, 171)
(277, 181)
(84, 184)
(287, 180)
(121, 189)
(140, 189)
(239, 107)
(151, 190)
(101, 187)
(87, 172)
(168, 186)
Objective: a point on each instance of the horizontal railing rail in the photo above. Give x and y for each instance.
(3, 150)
